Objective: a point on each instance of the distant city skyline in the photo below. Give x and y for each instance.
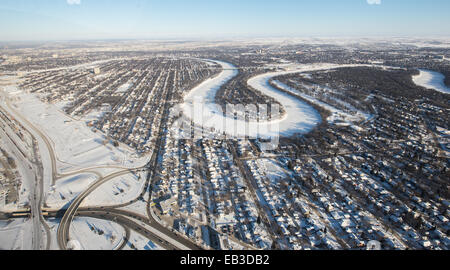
(156, 19)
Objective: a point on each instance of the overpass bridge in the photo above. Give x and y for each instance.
(26, 213)
(19, 213)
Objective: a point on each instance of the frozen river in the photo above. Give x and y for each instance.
(199, 106)
(431, 80)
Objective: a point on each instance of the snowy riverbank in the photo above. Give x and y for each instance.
(431, 80)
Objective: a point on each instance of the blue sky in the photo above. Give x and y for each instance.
(148, 19)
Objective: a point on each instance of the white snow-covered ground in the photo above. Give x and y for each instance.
(300, 117)
(117, 191)
(96, 234)
(431, 80)
(138, 242)
(91, 234)
(53, 224)
(68, 189)
(272, 170)
(16, 234)
(124, 88)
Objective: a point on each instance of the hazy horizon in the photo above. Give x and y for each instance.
(65, 20)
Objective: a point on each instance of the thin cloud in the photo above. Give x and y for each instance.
(73, 2)
(374, 2)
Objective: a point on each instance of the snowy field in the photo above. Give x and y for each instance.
(120, 190)
(138, 242)
(431, 80)
(68, 189)
(96, 234)
(272, 170)
(16, 234)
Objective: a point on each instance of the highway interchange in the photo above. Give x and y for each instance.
(146, 226)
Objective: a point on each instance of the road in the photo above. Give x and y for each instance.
(40, 134)
(64, 226)
(128, 223)
(37, 194)
(158, 231)
(268, 222)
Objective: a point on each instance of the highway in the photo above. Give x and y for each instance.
(128, 223)
(136, 222)
(64, 226)
(158, 231)
(36, 199)
(40, 134)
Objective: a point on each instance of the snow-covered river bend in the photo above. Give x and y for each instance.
(199, 106)
(431, 80)
(300, 118)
